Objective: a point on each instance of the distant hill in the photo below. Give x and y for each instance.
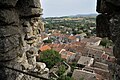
(75, 16)
(84, 15)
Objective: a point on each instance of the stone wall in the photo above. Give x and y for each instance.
(20, 26)
(108, 25)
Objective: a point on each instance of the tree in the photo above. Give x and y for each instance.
(65, 78)
(50, 57)
(61, 70)
(47, 41)
(106, 42)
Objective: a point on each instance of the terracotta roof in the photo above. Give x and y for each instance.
(64, 56)
(57, 49)
(72, 37)
(56, 34)
(104, 56)
(67, 53)
(72, 47)
(45, 47)
(70, 53)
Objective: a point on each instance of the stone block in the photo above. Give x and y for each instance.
(6, 31)
(34, 3)
(10, 55)
(9, 43)
(8, 16)
(30, 12)
(102, 7)
(102, 27)
(115, 27)
(114, 2)
(8, 3)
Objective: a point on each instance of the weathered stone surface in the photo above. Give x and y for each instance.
(29, 9)
(31, 56)
(11, 75)
(18, 32)
(114, 2)
(116, 50)
(8, 3)
(103, 26)
(10, 55)
(8, 16)
(115, 30)
(102, 7)
(111, 24)
(31, 12)
(9, 31)
(9, 43)
(34, 3)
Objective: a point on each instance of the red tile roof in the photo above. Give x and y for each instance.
(72, 37)
(104, 56)
(45, 47)
(64, 56)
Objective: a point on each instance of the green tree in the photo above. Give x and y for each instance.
(61, 70)
(106, 42)
(50, 57)
(65, 78)
(47, 41)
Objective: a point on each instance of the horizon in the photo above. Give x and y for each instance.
(58, 8)
(71, 15)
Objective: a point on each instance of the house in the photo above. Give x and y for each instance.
(45, 47)
(95, 41)
(44, 36)
(104, 57)
(67, 55)
(100, 65)
(72, 39)
(82, 74)
(109, 51)
(85, 61)
(94, 53)
(104, 73)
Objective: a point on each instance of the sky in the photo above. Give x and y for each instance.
(55, 8)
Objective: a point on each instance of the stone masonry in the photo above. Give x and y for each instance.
(108, 25)
(20, 26)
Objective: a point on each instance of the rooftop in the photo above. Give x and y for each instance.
(45, 47)
(85, 60)
(81, 74)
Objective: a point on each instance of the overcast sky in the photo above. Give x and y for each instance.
(67, 7)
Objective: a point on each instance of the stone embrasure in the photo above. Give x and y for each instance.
(20, 26)
(108, 25)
